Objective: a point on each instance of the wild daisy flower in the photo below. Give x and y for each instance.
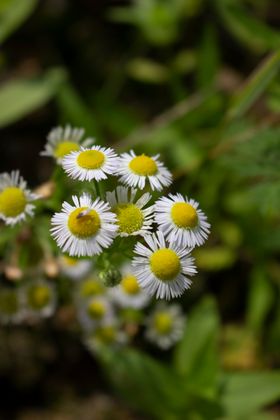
(88, 164)
(132, 217)
(181, 220)
(61, 141)
(90, 287)
(15, 198)
(136, 171)
(74, 268)
(108, 334)
(11, 309)
(85, 228)
(39, 298)
(165, 326)
(162, 268)
(128, 293)
(97, 310)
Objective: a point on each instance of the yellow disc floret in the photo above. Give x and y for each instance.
(12, 202)
(163, 322)
(143, 165)
(106, 334)
(71, 262)
(165, 264)
(130, 218)
(91, 159)
(184, 215)
(39, 296)
(84, 225)
(91, 287)
(64, 148)
(96, 309)
(130, 285)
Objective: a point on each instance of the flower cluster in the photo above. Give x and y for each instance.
(167, 229)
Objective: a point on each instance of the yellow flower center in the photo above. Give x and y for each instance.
(130, 218)
(165, 264)
(64, 148)
(184, 215)
(163, 322)
(39, 296)
(12, 201)
(91, 159)
(96, 309)
(130, 285)
(84, 226)
(91, 287)
(70, 261)
(106, 334)
(143, 165)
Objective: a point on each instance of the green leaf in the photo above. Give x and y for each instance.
(246, 393)
(196, 356)
(144, 383)
(12, 14)
(207, 59)
(254, 33)
(261, 297)
(22, 96)
(255, 86)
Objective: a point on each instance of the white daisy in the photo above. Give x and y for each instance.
(85, 228)
(39, 298)
(11, 308)
(128, 293)
(108, 334)
(132, 217)
(165, 326)
(95, 311)
(136, 171)
(90, 287)
(15, 198)
(162, 268)
(61, 141)
(74, 268)
(181, 221)
(88, 164)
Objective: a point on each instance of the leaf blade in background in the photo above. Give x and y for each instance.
(255, 86)
(247, 392)
(21, 96)
(200, 342)
(12, 14)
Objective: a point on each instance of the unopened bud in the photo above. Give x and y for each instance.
(110, 277)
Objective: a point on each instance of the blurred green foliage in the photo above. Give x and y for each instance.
(197, 81)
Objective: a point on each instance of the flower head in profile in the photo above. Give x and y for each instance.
(88, 164)
(85, 228)
(133, 217)
(139, 170)
(165, 326)
(15, 198)
(128, 294)
(181, 220)
(74, 268)
(163, 268)
(63, 140)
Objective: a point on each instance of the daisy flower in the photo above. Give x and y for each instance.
(61, 141)
(128, 293)
(181, 220)
(85, 228)
(96, 311)
(108, 334)
(74, 268)
(88, 164)
(165, 326)
(11, 309)
(162, 268)
(39, 299)
(132, 217)
(90, 287)
(15, 198)
(136, 171)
